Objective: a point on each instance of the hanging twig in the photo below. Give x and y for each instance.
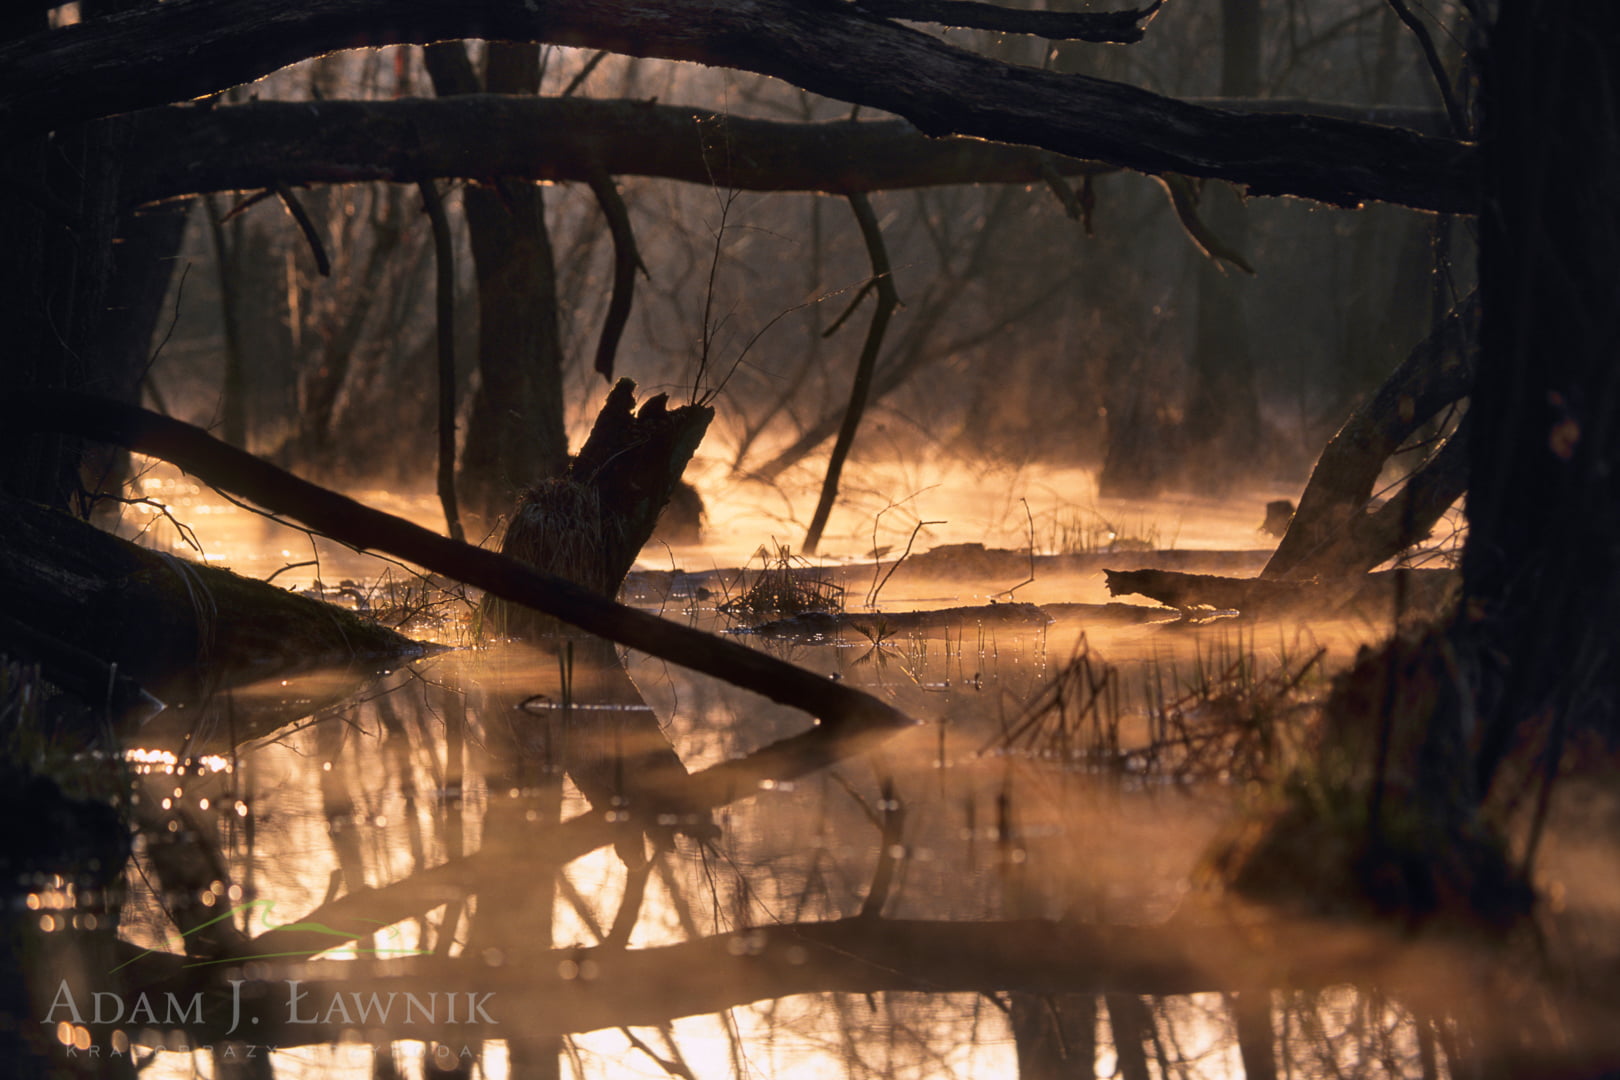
(887, 301)
(626, 261)
(584, 73)
(444, 259)
(1442, 81)
(322, 263)
(1184, 201)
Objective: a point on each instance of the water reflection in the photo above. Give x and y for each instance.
(531, 859)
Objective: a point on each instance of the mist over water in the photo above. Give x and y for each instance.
(1007, 801)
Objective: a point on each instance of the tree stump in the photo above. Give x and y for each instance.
(589, 524)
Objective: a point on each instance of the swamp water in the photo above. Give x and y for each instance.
(366, 874)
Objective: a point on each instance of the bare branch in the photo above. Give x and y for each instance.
(154, 54)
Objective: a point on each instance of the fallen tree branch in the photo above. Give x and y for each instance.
(242, 147)
(154, 54)
(1190, 593)
(343, 519)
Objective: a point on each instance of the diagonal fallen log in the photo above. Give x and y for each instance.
(1332, 533)
(834, 704)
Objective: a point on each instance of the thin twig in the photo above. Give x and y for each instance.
(871, 601)
(584, 73)
(444, 259)
(1442, 82)
(306, 226)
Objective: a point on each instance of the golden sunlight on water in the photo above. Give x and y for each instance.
(448, 830)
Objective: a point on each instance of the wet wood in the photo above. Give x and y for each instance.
(1379, 595)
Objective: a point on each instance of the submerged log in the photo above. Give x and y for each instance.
(880, 625)
(97, 612)
(1371, 594)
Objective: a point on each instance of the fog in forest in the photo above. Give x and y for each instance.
(1022, 678)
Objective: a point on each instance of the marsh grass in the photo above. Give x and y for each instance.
(1085, 531)
(784, 586)
(1235, 717)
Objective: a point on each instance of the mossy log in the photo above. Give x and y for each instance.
(95, 611)
(589, 524)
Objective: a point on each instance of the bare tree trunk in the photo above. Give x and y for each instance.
(515, 434)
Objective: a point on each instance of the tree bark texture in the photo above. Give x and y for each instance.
(257, 144)
(589, 524)
(170, 52)
(1333, 533)
(515, 434)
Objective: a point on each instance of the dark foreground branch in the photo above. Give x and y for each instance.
(250, 146)
(155, 54)
(343, 519)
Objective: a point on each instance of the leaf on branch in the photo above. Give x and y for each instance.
(1184, 200)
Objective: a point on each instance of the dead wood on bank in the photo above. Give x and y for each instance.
(89, 606)
(878, 626)
(653, 985)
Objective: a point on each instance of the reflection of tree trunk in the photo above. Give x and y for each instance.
(1251, 1012)
(1131, 1025)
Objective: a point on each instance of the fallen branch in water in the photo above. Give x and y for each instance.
(343, 519)
(1423, 589)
